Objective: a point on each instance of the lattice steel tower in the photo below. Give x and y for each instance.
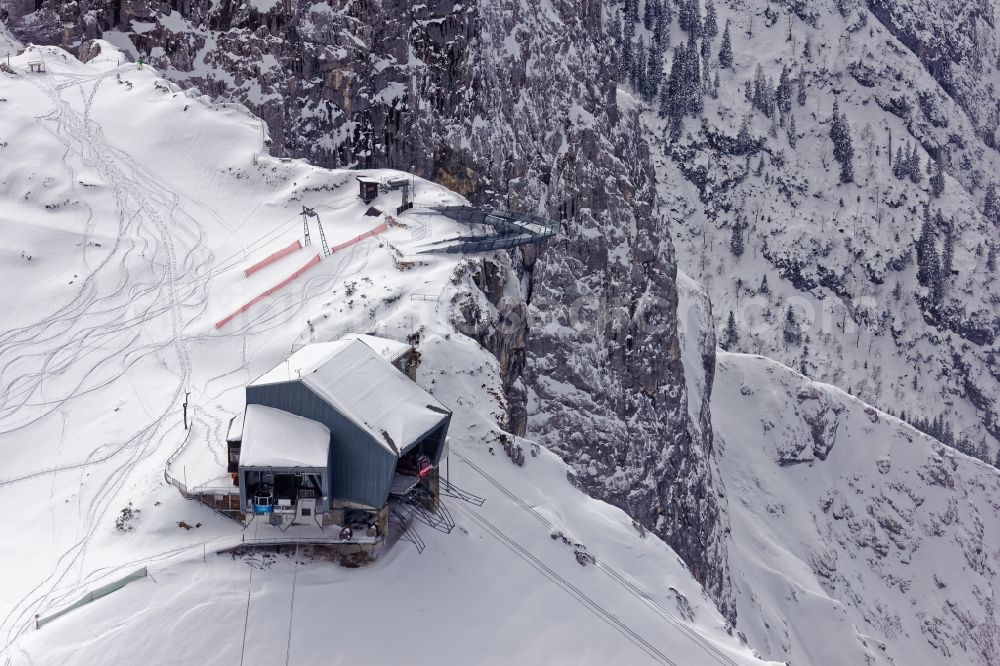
(306, 214)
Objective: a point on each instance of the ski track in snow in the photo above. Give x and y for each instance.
(101, 321)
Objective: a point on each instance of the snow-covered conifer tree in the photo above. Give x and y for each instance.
(731, 336)
(843, 148)
(726, 50)
(736, 240)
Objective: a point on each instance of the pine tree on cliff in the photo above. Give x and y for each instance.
(631, 15)
(736, 240)
(681, 94)
(948, 254)
(689, 18)
(763, 288)
(726, 50)
(706, 72)
(626, 63)
(792, 331)
(991, 204)
(913, 166)
(624, 48)
(666, 105)
(843, 148)
(683, 14)
(792, 134)
(654, 71)
(731, 336)
(711, 20)
(745, 139)
(661, 28)
(937, 179)
(693, 91)
(937, 287)
(783, 94)
(670, 93)
(638, 74)
(759, 96)
(649, 13)
(899, 164)
(904, 163)
(928, 264)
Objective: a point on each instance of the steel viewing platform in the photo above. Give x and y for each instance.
(513, 229)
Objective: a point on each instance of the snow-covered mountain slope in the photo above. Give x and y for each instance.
(855, 538)
(130, 210)
(513, 104)
(843, 256)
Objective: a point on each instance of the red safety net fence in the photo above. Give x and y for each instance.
(357, 239)
(281, 285)
(283, 252)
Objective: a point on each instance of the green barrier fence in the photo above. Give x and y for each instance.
(93, 595)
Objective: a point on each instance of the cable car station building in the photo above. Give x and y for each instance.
(333, 432)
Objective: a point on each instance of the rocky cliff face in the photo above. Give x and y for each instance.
(514, 105)
(957, 42)
(753, 181)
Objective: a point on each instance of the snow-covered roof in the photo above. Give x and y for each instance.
(365, 387)
(300, 363)
(273, 438)
(389, 349)
(310, 357)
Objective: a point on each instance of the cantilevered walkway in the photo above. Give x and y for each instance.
(512, 229)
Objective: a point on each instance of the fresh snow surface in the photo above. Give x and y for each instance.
(273, 438)
(139, 207)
